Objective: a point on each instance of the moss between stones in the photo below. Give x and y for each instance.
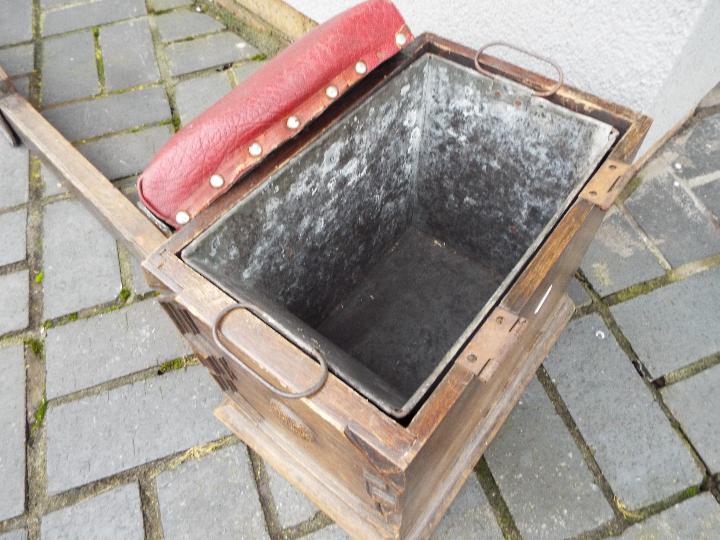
(124, 294)
(35, 345)
(39, 277)
(39, 415)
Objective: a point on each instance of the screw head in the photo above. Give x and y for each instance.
(255, 149)
(360, 67)
(400, 39)
(293, 122)
(217, 181)
(182, 217)
(472, 358)
(331, 92)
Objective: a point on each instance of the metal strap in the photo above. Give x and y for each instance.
(299, 342)
(540, 93)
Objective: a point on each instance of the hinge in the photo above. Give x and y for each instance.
(607, 183)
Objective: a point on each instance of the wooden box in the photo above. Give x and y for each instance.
(382, 458)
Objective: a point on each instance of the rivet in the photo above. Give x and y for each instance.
(360, 67)
(331, 92)
(400, 39)
(499, 320)
(472, 358)
(217, 181)
(293, 122)
(255, 149)
(182, 217)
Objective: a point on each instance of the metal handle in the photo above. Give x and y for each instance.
(284, 332)
(545, 93)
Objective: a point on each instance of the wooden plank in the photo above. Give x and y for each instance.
(114, 210)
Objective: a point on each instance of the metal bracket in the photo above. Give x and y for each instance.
(488, 346)
(607, 183)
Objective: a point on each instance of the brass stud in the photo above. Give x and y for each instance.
(293, 122)
(331, 92)
(360, 67)
(255, 149)
(217, 181)
(182, 217)
(400, 39)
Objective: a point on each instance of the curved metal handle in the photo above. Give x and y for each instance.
(284, 332)
(544, 93)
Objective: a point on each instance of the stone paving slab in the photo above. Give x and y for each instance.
(541, 473)
(73, 16)
(291, 505)
(128, 66)
(578, 294)
(469, 517)
(639, 453)
(698, 148)
(14, 313)
(183, 24)
(695, 402)
(90, 351)
(243, 71)
(214, 497)
(617, 257)
(52, 185)
(709, 194)
(104, 434)
(126, 154)
(12, 431)
(20, 534)
(12, 239)
(161, 5)
(16, 22)
(69, 70)
(669, 216)
(113, 514)
(195, 95)
(697, 518)
(80, 269)
(331, 532)
(17, 60)
(14, 168)
(109, 114)
(22, 85)
(140, 285)
(675, 325)
(207, 52)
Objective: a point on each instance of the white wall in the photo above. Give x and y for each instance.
(657, 56)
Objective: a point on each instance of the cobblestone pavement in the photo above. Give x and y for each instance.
(106, 426)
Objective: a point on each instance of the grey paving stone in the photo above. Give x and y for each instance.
(90, 351)
(22, 85)
(469, 517)
(638, 451)
(140, 285)
(124, 427)
(668, 215)
(699, 150)
(331, 532)
(697, 518)
(206, 52)
(711, 99)
(161, 5)
(113, 514)
(128, 54)
(51, 182)
(675, 325)
(214, 497)
(12, 240)
(122, 155)
(195, 95)
(292, 506)
(14, 307)
(709, 194)
(20, 534)
(74, 16)
(617, 257)
(14, 170)
(578, 294)
(541, 473)
(12, 431)
(243, 71)
(185, 23)
(80, 261)
(16, 21)
(695, 402)
(109, 114)
(69, 70)
(17, 60)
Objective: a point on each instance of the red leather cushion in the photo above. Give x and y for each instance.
(224, 139)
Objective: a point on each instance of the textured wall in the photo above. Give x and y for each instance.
(660, 57)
